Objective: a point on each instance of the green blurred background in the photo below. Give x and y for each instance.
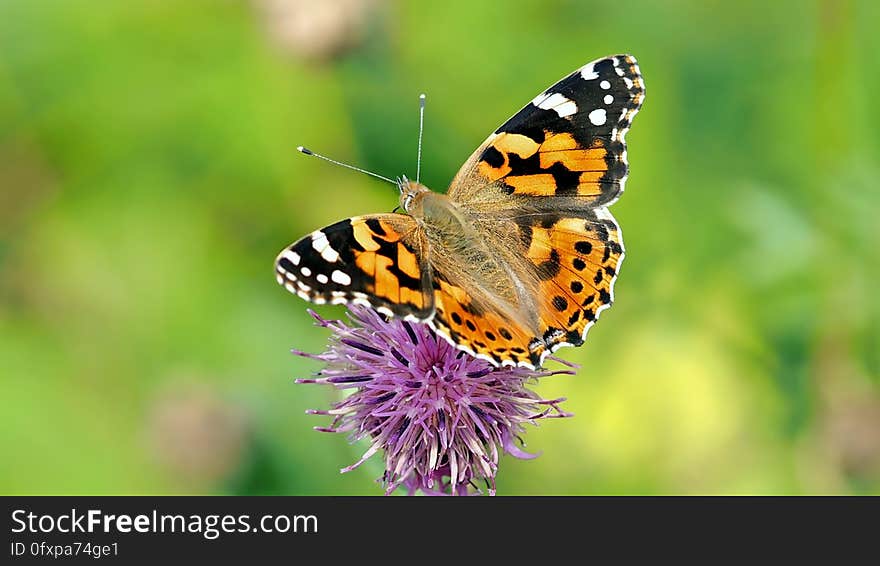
(148, 178)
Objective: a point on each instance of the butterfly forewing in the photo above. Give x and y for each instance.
(568, 141)
(374, 260)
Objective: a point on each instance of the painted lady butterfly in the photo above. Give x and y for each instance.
(520, 256)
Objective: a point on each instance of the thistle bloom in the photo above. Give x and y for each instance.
(440, 417)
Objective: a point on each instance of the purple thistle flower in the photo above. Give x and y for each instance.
(441, 417)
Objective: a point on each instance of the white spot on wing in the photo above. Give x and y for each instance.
(587, 72)
(340, 277)
(608, 99)
(604, 85)
(322, 279)
(330, 254)
(291, 256)
(559, 103)
(319, 240)
(322, 246)
(539, 99)
(597, 117)
(566, 109)
(305, 271)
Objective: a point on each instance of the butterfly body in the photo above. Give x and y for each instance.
(520, 255)
(467, 252)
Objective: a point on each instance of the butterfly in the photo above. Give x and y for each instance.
(520, 255)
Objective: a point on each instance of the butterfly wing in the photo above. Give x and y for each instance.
(577, 259)
(375, 260)
(568, 141)
(568, 264)
(550, 171)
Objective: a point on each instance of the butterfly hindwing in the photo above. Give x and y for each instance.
(577, 260)
(480, 331)
(375, 260)
(568, 141)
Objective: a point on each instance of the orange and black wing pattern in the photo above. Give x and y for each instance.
(481, 331)
(568, 141)
(573, 262)
(576, 260)
(374, 260)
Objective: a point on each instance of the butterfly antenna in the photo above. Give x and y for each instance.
(421, 129)
(308, 151)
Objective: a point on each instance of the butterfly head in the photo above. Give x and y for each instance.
(409, 193)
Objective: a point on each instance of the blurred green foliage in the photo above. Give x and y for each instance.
(148, 178)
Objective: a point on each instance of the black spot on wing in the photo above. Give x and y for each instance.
(560, 303)
(566, 180)
(583, 247)
(493, 157)
(574, 338)
(376, 226)
(524, 166)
